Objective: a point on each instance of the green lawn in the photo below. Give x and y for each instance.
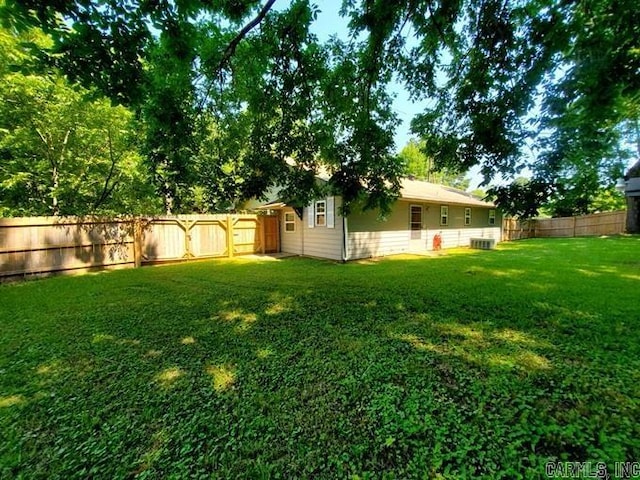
(474, 363)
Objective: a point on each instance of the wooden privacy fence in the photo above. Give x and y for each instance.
(607, 223)
(42, 245)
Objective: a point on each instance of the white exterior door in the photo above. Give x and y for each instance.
(417, 240)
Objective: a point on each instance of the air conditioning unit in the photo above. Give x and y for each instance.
(483, 243)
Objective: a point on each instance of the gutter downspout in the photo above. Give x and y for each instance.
(345, 243)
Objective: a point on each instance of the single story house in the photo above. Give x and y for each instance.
(423, 211)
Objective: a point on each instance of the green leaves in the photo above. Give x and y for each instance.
(417, 164)
(540, 84)
(65, 150)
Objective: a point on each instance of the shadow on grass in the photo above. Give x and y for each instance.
(474, 363)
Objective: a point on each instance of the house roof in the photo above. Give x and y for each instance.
(275, 205)
(430, 192)
(411, 190)
(633, 172)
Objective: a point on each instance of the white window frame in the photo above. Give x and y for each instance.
(287, 222)
(321, 215)
(492, 216)
(467, 216)
(444, 213)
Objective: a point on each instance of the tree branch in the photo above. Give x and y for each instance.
(105, 190)
(48, 147)
(231, 48)
(436, 22)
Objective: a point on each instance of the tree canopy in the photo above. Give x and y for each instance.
(238, 96)
(63, 149)
(417, 164)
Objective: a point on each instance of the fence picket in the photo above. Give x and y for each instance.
(607, 223)
(45, 245)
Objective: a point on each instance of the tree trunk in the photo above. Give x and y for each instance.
(55, 163)
(55, 183)
(168, 198)
(55, 175)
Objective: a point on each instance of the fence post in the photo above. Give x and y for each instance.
(187, 238)
(262, 221)
(230, 236)
(137, 243)
(575, 219)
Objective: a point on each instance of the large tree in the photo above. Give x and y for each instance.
(305, 106)
(63, 149)
(497, 72)
(591, 105)
(417, 164)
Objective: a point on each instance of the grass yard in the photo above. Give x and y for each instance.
(470, 364)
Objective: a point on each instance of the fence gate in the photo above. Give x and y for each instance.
(43, 245)
(205, 236)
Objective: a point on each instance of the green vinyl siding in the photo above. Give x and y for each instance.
(398, 218)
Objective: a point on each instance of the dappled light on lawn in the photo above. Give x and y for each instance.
(223, 377)
(169, 376)
(242, 320)
(631, 277)
(503, 349)
(527, 361)
(462, 363)
(280, 304)
(52, 368)
(420, 344)
(514, 336)
(102, 337)
(159, 441)
(11, 401)
(264, 352)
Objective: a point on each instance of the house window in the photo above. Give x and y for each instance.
(415, 222)
(444, 215)
(289, 222)
(467, 216)
(492, 217)
(321, 213)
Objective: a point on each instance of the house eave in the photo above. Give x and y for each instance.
(272, 206)
(444, 201)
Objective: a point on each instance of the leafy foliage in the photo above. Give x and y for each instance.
(471, 365)
(501, 76)
(167, 111)
(418, 165)
(590, 107)
(182, 64)
(522, 198)
(219, 166)
(64, 150)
